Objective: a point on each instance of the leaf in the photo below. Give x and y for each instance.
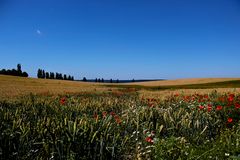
(94, 136)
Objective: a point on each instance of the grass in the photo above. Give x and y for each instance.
(120, 125)
(76, 120)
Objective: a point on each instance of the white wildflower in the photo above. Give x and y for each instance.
(227, 154)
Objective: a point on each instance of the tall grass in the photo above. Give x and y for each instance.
(119, 125)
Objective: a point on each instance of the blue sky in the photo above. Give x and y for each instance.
(124, 39)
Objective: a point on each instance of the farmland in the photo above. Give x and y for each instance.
(48, 119)
(11, 86)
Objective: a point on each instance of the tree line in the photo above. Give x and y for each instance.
(41, 73)
(110, 81)
(101, 80)
(51, 75)
(14, 72)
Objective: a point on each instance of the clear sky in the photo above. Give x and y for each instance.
(124, 39)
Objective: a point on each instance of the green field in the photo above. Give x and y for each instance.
(119, 122)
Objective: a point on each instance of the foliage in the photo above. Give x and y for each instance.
(14, 72)
(42, 74)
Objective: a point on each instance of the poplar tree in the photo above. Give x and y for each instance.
(39, 74)
(65, 77)
(47, 75)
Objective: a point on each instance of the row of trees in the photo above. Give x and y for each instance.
(51, 75)
(14, 72)
(101, 80)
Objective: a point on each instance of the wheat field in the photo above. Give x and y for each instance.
(11, 86)
(184, 81)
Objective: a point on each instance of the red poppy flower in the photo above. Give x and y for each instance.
(176, 94)
(201, 107)
(117, 119)
(112, 113)
(218, 108)
(230, 99)
(63, 100)
(104, 114)
(237, 106)
(230, 120)
(186, 97)
(149, 140)
(209, 108)
(95, 116)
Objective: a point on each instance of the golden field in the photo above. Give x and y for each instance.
(11, 86)
(184, 81)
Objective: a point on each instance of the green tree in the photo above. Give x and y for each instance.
(47, 75)
(43, 74)
(52, 76)
(60, 76)
(65, 77)
(57, 75)
(14, 72)
(39, 74)
(25, 74)
(19, 70)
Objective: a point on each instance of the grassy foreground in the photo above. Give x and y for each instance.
(120, 125)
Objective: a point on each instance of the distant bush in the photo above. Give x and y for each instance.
(14, 72)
